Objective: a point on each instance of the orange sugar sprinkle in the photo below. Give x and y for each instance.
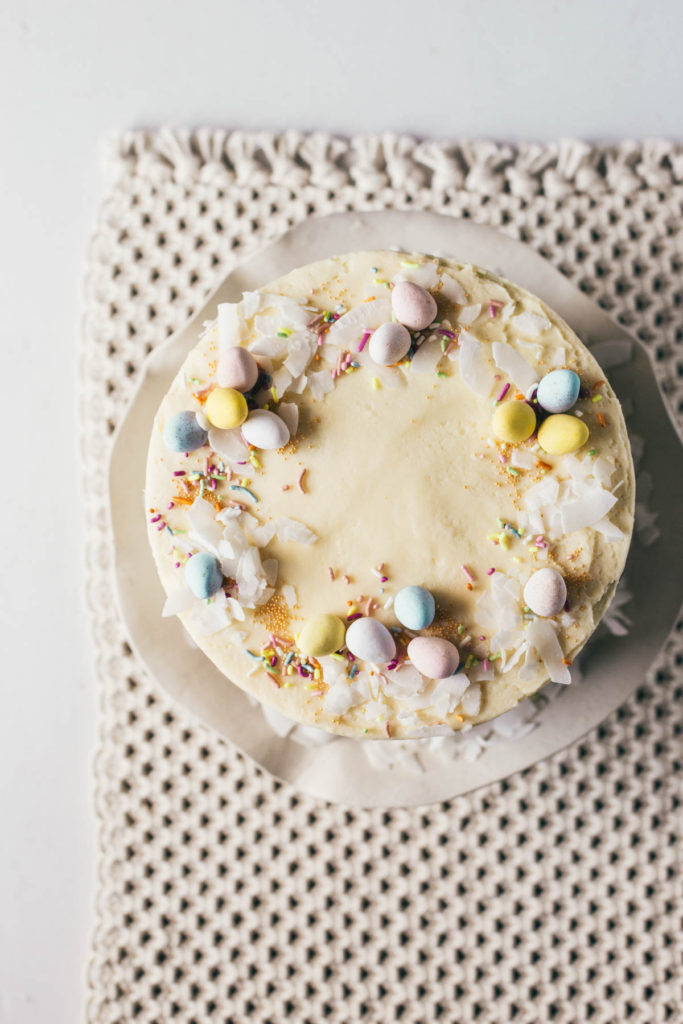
(519, 398)
(469, 586)
(601, 419)
(460, 718)
(598, 384)
(371, 298)
(182, 500)
(566, 661)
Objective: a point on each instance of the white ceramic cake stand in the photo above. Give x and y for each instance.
(338, 771)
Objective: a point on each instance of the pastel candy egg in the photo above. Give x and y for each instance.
(562, 434)
(369, 640)
(182, 433)
(513, 422)
(389, 343)
(412, 305)
(434, 657)
(321, 635)
(265, 430)
(545, 592)
(203, 574)
(237, 369)
(558, 390)
(226, 408)
(414, 607)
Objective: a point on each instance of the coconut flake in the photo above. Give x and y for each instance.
(530, 324)
(209, 617)
(230, 325)
(203, 526)
(447, 694)
(426, 275)
(468, 314)
(179, 601)
(289, 414)
(270, 570)
(612, 353)
(270, 345)
(543, 493)
(300, 352)
(320, 383)
(292, 529)
(593, 504)
(542, 637)
(507, 310)
(338, 699)
(471, 701)
(426, 358)
(452, 290)
(289, 594)
(510, 361)
(281, 380)
(474, 367)
(522, 459)
(228, 444)
(367, 316)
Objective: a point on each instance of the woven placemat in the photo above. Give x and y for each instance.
(226, 896)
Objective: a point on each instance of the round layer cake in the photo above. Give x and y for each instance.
(389, 494)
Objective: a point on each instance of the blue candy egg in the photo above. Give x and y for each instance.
(203, 574)
(182, 433)
(414, 607)
(558, 390)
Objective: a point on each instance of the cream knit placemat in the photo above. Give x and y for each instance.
(224, 895)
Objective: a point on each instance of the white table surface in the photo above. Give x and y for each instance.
(70, 73)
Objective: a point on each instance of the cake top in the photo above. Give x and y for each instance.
(390, 494)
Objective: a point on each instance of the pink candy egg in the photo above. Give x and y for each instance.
(389, 343)
(412, 305)
(237, 369)
(545, 592)
(434, 657)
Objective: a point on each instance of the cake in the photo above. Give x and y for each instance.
(389, 494)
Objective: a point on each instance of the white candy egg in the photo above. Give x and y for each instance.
(545, 592)
(412, 305)
(369, 640)
(265, 430)
(389, 343)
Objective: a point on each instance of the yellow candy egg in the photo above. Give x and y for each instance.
(562, 434)
(321, 635)
(513, 422)
(226, 408)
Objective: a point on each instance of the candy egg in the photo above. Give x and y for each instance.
(545, 592)
(265, 430)
(226, 408)
(203, 574)
(562, 434)
(434, 657)
(321, 635)
(182, 433)
(412, 305)
(414, 607)
(389, 343)
(237, 369)
(558, 390)
(513, 422)
(369, 640)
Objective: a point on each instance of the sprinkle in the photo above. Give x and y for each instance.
(179, 472)
(353, 617)
(510, 527)
(256, 657)
(289, 657)
(347, 578)
(446, 333)
(486, 664)
(512, 471)
(273, 392)
(502, 458)
(254, 461)
(503, 392)
(363, 341)
(440, 373)
(300, 481)
(596, 398)
(156, 518)
(490, 572)
(284, 332)
(285, 487)
(504, 540)
(467, 573)
(494, 306)
(404, 263)
(601, 419)
(236, 487)
(331, 573)
(494, 657)
(376, 384)
(353, 672)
